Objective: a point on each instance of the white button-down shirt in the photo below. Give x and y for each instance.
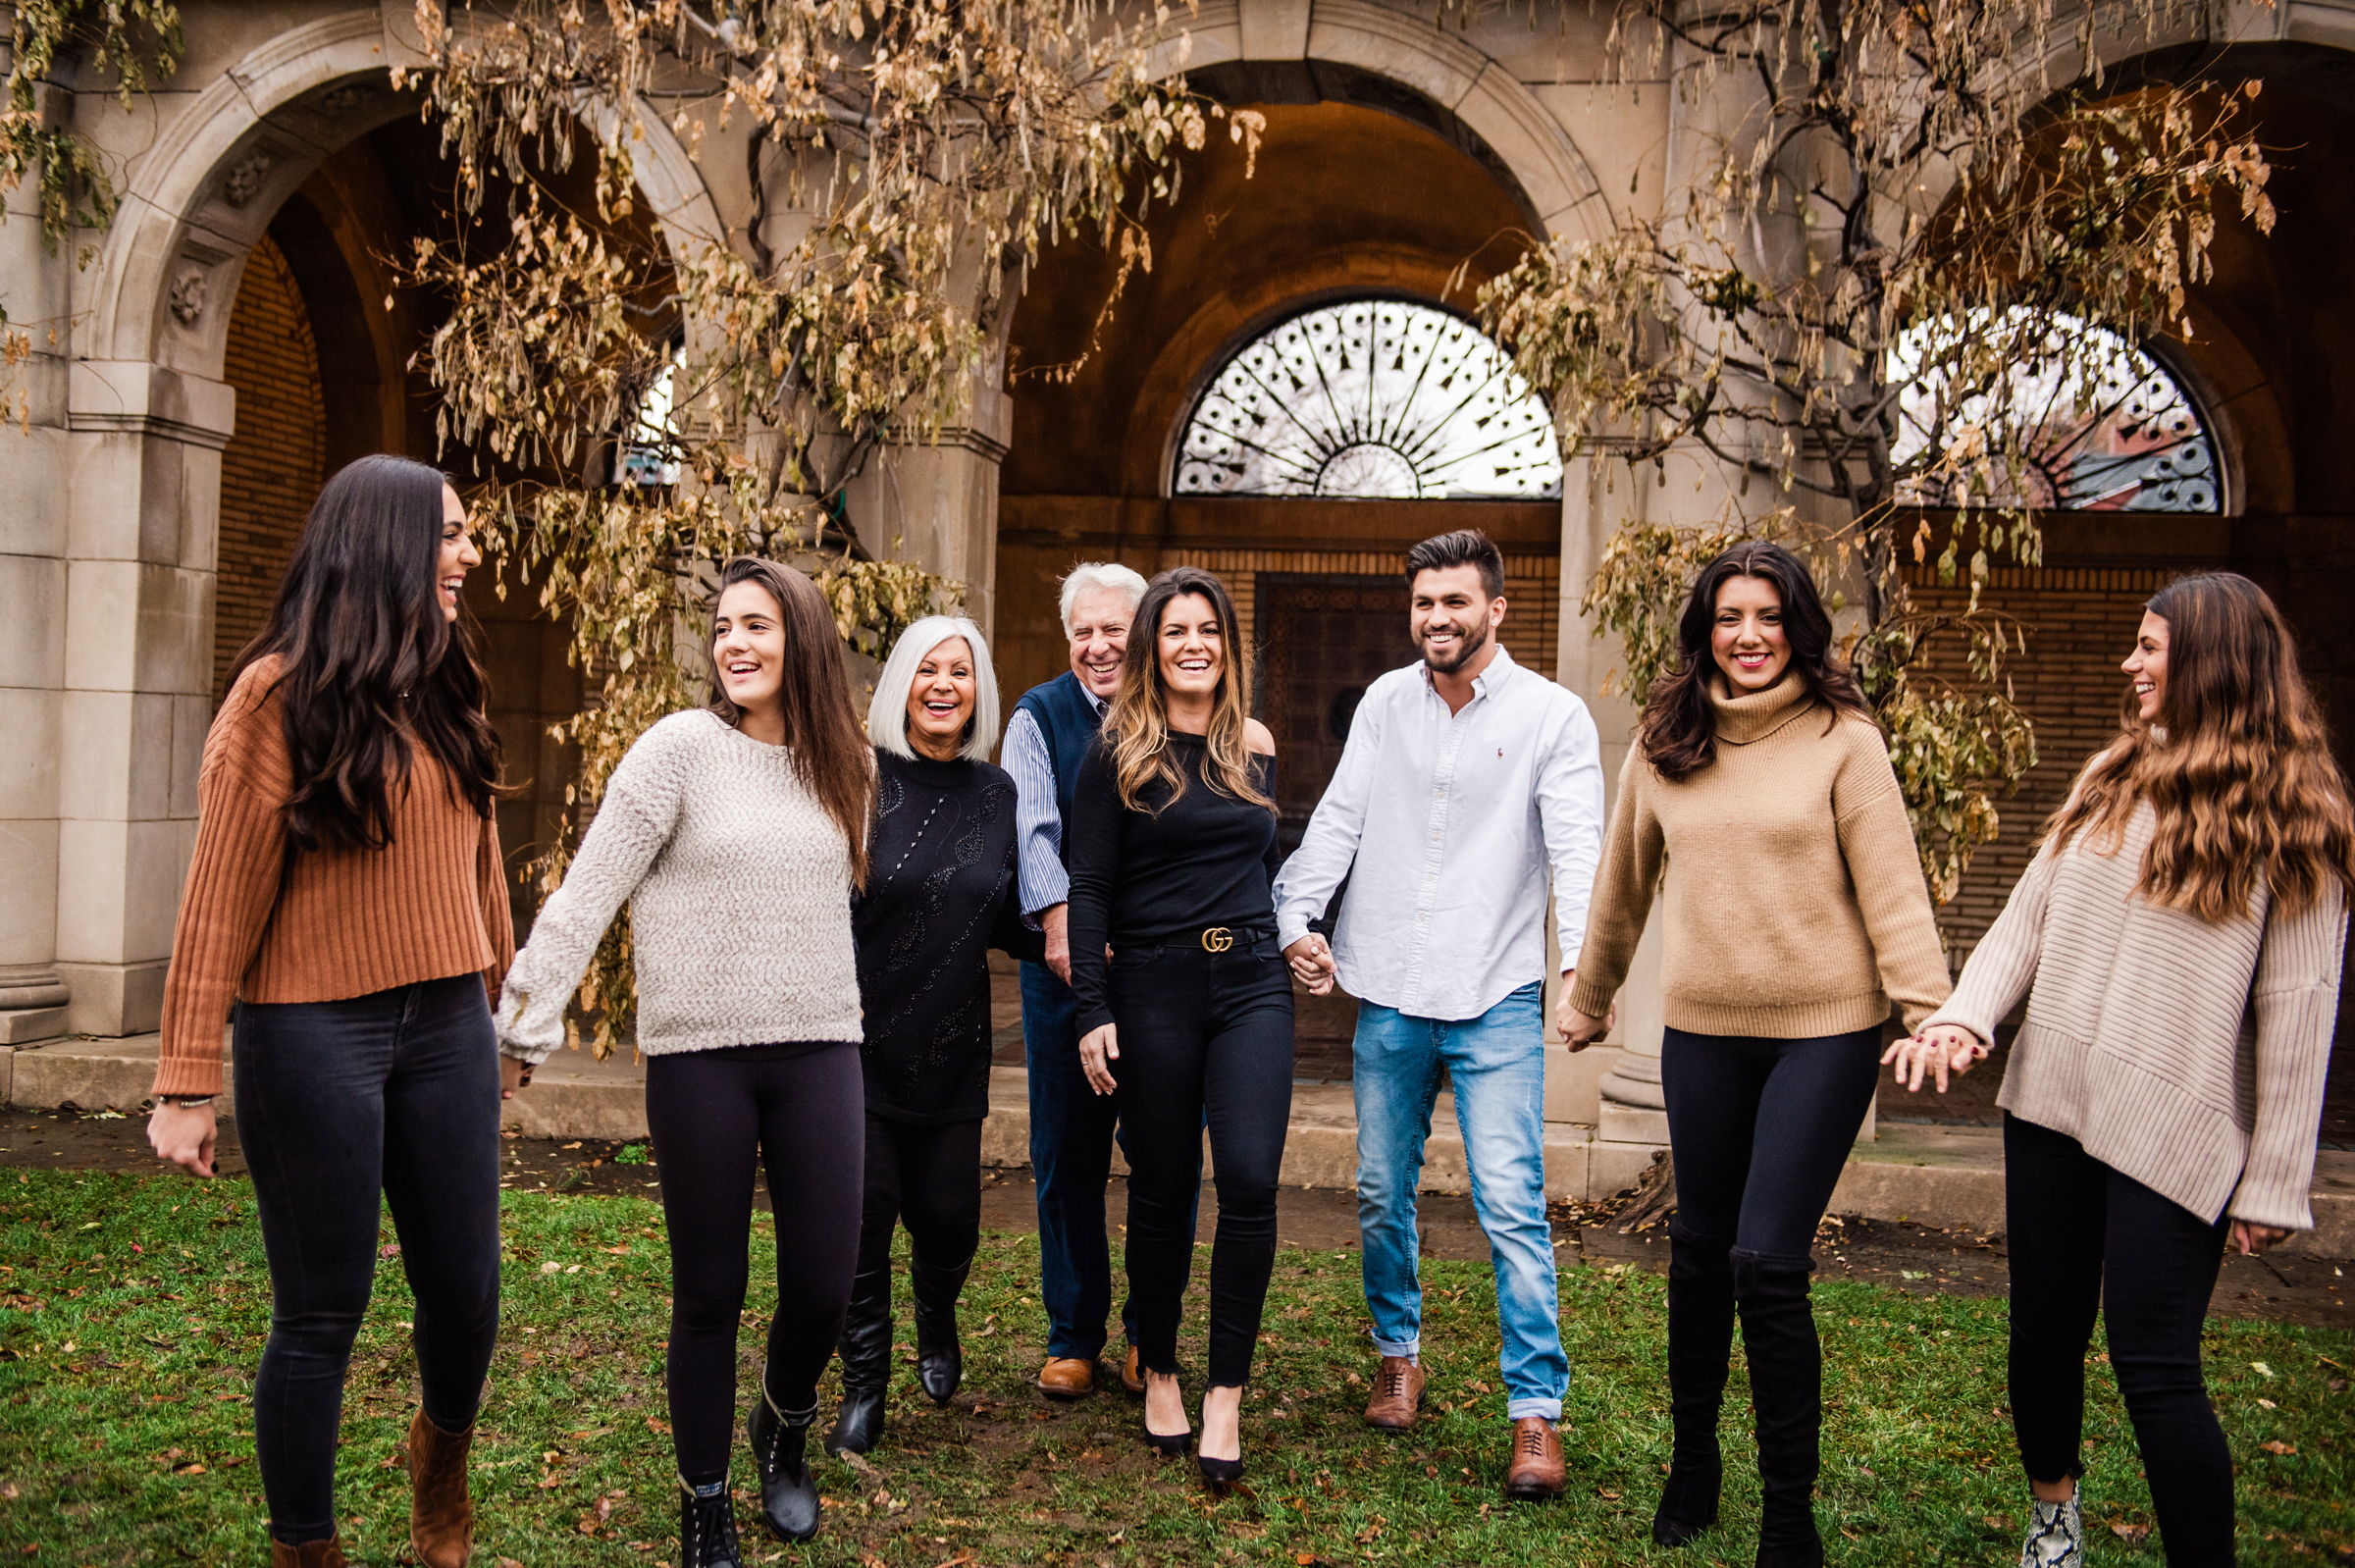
(1451, 822)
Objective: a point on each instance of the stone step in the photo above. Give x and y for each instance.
(1943, 1175)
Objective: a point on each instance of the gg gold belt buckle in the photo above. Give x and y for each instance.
(1218, 939)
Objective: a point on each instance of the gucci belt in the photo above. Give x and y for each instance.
(1218, 939)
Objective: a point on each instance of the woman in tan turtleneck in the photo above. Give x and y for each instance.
(1795, 914)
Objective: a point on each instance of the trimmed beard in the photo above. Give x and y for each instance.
(1465, 649)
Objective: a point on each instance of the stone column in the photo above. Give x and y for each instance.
(936, 504)
(141, 529)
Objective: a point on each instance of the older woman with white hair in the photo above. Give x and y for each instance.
(942, 892)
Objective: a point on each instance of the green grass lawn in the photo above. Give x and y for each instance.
(133, 1310)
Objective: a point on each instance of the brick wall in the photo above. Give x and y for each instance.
(2079, 624)
(270, 471)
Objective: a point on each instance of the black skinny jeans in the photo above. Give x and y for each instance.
(1202, 1034)
(930, 1177)
(1761, 1128)
(391, 1098)
(2082, 1238)
(802, 1109)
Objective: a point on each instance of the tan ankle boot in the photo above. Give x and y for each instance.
(441, 1512)
(328, 1553)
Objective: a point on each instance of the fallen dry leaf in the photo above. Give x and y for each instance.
(2276, 1445)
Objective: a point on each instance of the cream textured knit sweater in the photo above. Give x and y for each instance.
(1794, 901)
(738, 886)
(2185, 1055)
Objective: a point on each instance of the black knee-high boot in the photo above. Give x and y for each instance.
(1701, 1341)
(866, 1349)
(1786, 1389)
(939, 1357)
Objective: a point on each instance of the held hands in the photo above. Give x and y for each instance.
(1580, 1029)
(1311, 959)
(513, 1073)
(185, 1138)
(1940, 1049)
(1101, 1045)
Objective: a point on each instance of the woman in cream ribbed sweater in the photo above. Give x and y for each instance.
(737, 834)
(2179, 939)
(1795, 914)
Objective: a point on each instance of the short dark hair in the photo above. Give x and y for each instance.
(1466, 547)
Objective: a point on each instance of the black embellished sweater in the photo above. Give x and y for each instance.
(940, 893)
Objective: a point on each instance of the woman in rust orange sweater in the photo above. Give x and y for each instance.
(347, 893)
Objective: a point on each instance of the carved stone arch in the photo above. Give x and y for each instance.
(1506, 126)
(220, 168)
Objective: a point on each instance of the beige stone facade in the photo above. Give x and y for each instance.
(267, 181)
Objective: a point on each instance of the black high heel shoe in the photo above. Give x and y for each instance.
(1165, 1443)
(1219, 1474)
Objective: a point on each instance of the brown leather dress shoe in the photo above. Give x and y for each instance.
(1068, 1378)
(1133, 1372)
(1536, 1471)
(1398, 1395)
(441, 1513)
(328, 1553)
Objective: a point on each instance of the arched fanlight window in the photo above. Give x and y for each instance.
(1372, 399)
(2100, 425)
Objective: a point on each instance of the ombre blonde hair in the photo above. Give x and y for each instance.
(2237, 764)
(1137, 727)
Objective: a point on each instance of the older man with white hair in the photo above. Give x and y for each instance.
(1071, 1127)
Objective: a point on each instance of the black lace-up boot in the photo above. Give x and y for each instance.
(1701, 1341)
(707, 1527)
(788, 1491)
(939, 1357)
(865, 1350)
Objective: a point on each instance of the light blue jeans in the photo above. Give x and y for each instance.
(1497, 1067)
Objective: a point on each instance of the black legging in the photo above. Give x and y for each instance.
(392, 1097)
(2082, 1238)
(1202, 1032)
(1761, 1128)
(930, 1178)
(801, 1110)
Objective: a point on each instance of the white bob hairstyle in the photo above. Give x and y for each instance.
(887, 714)
(1089, 575)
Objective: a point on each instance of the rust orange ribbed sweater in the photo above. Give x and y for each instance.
(343, 923)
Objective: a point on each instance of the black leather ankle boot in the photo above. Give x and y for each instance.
(865, 1366)
(1700, 1339)
(707, 1528)
(1785, 1390)
(788, 1491)
(939, 1357)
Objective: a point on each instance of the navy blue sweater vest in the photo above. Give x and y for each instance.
(1068, 722)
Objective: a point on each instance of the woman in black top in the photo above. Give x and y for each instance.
(1172, 850)
(941, 893)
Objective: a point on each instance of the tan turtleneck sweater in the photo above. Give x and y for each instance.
(1794, 901)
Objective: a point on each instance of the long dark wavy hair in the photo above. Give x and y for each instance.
(1679, 732)
(2236, 764)
(368, 667)
(1137, 727)
(824, 742)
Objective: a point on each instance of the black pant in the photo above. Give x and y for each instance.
(2084, 1237)
(1761, 1128)
(927, 1176)
(342, 1106)
(1202, 1034)
(803, 1111)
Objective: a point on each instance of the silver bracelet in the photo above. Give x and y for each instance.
(193, 1102)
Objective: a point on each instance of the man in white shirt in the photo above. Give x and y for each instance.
(1465, 779)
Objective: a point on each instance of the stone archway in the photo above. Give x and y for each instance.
(147, 414)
